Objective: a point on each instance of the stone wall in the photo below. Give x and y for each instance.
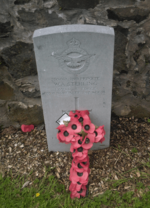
(20, 100)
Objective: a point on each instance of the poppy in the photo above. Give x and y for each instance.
(80, 153)
(58, 137)
(81, 192)
(79, 166)
(102, 140)
(63, 134)
(74, 127)
(76, 143)
(88, 141)
(27, 128)
(76, 194)
(78, 177)
(77, 186)
(74, 116)
(82, 115)
(88, 127)
(99, 134)
(78, 160)
(78, 115)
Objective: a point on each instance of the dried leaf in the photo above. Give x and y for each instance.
(57, 174)
(127, 187)
(25, 184)
(66, 123)
(138, 174)
(90, 152)
(98, 194)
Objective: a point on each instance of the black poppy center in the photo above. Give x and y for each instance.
(79, 191)
(79, 174)
(78, 183)
(80, 149)
(79, 166)
(66, 133)
(80, 119)
(95, 133)
(87, 127)
(79, 141)
(84, 163)
(76, 116)
(87, 141)
(74, 127)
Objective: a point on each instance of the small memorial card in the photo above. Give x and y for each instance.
(64, 117)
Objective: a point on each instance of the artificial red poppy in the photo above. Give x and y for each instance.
(80, 153)
(76, 143)
(27, 128)
(81, 177)
(74, 127)
(73, 187)
(88, 127)
(99, 134)
(81, 166)
(74, 116)
(81, 192)
(76, 186)
(82, 115)
(88, 141)
(77, 159)
(63, 134)
(58, 137)
(79, 115)
(78, 194)
(102, 140)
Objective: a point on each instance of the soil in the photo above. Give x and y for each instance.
(120, 167)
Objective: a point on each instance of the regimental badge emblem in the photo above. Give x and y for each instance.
(73, 60)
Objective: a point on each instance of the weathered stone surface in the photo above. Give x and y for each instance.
(29, 86)
(17, 2)
(8, 89)
(20, 59)
(38, 18)
(84, 4)
(5, 29)
(6, 92)
(25, 113)
(129, 13)
(4, 120)
(130, 19)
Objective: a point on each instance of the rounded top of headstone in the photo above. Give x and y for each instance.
(73, 28)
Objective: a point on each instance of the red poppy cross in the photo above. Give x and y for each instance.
(81, 133)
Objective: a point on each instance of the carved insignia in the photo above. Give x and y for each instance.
(73, 60)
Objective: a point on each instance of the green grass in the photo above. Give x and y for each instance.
(134, 150)
(52, 194)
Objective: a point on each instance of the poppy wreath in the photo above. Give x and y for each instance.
(81, 133)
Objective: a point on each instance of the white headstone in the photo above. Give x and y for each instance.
(75, 71)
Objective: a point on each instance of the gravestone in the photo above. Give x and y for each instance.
(75, 71)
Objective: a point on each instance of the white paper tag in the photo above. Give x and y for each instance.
(64, 117)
